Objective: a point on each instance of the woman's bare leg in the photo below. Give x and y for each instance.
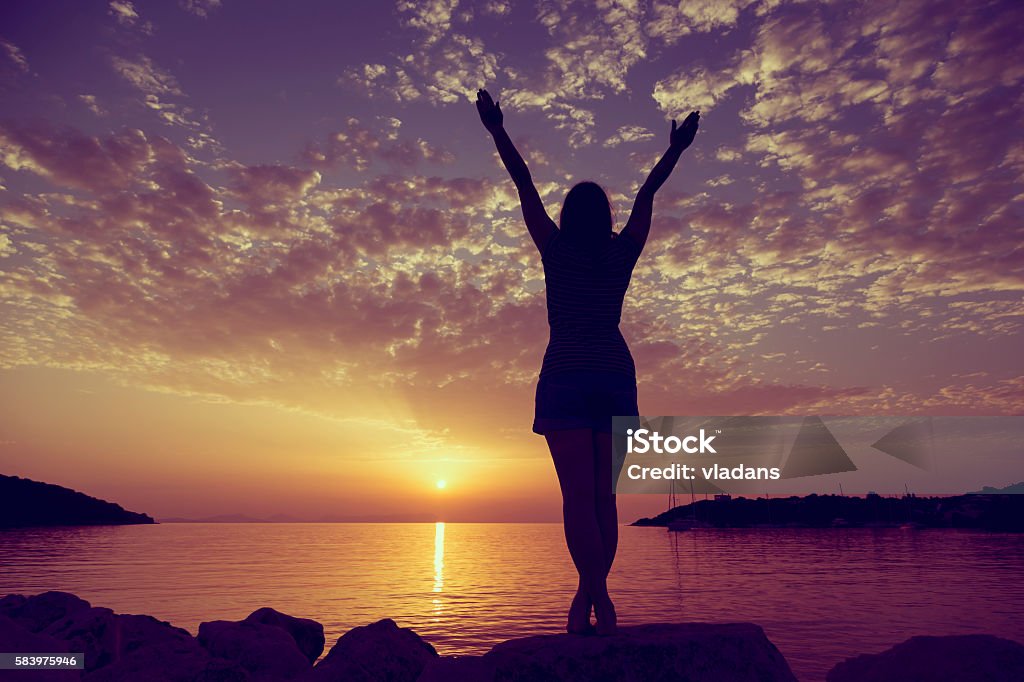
(578, 622)
(572, 451)
(604, 496)
(607, 521)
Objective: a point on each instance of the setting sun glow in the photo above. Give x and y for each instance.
(304, 306)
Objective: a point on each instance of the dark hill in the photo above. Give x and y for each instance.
(984, 512)
(24, 502)
(1012, 489)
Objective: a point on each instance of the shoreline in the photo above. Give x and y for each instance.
(271, 645)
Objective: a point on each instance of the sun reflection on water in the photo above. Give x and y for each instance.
(438, 607)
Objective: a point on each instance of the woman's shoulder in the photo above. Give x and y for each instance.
(624, 245)
(551, 246)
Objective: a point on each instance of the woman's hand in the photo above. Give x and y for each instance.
(541, 226)
(639, 224)
(681, 137)
(490, 111)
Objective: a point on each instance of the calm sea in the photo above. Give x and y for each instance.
(821, 595)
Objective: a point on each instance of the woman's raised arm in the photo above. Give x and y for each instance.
(639, 224)
(538, 222)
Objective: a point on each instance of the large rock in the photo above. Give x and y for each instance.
(265, 651)
(14, 637)
(307, 633)
(681, 652)
(18, 639)
(169, 662)
(957, 658)
(462, 668)
(37, 612)
(11, 603)
(105, 637)
(380, 652)
(137, 647)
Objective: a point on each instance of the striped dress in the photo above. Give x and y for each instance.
(584, 297)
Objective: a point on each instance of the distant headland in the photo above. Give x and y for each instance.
(1012, 489)
(28, 503)
(983, 511)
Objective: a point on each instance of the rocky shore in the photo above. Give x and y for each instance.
(269, 645)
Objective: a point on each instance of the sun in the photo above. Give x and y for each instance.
(442, 484)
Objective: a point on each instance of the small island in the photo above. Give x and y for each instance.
(992, 512)
(28, 503)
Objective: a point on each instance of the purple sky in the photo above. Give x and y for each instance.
(293, 207)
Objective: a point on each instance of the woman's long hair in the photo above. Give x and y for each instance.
(586, 218)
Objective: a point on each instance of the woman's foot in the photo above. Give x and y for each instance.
(604, 610)
(579, 615)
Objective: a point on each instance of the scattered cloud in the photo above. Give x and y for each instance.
(14, 56)
(147, 77)
(672, 20)
(92, 103)
(125, 14)
(857, 184)
(162, 94)
(200, 8)
(626, 134)
(358, 145)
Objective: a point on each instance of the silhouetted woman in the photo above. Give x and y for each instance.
(588, 374)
